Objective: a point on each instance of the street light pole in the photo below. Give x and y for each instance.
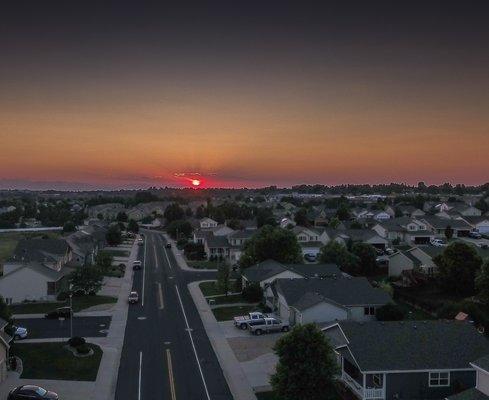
(71, 315)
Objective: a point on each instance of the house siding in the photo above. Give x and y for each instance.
(415, 385)
(25, 284)
(483, 382)
(323, 312)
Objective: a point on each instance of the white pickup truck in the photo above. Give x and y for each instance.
(267, 325)
(242, 321)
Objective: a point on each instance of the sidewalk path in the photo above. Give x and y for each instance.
(235, 377)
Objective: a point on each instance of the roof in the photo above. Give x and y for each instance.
(5, 338)
(3, 323)
(442, 223)
(469, 394)
(40, 250)
(263, 270)
(242, 234)
(344, 291)
(269, 268)
(413, 345)
(217, 241)
(483, 363)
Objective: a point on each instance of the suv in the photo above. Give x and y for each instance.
(18, 332)
(310, 257)
(168, 245)
(62, 312)
(475, 235)
(136, 265)
(437, 242)
(31, 392)
(133, 298)
(267, 325)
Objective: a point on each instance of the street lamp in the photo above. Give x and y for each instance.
(71, 311)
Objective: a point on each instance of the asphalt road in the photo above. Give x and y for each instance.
(166, 353)
(43, 328)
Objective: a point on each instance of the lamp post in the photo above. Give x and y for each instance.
(71, 312)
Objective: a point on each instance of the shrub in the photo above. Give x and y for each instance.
(390, 312)
(253, 293)
(76, 341)
(62, 296)
(83, 349)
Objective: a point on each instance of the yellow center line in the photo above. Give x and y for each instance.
(170, 375)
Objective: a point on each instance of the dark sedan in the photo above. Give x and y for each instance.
(62, 312)
(31, 392)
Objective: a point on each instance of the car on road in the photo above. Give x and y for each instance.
(31, 392)
(18, 332)
(133, 297)
(139, 241)
(62, 312)
(310, 257)
(242, 320)
(168, 245)
(475, 235)
(136, 265)
(437, 242)
(267, 325)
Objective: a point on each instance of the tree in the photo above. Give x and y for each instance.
(179, 228)
(343, 213)
(223, 275)
(336, 253)
(103, 261)
(367, 256)
(132, 226)
(448, 232)
(86, 279)
(253, 293)
(271, 243)
(264, 216)
(113, 235)
(306, 367)
(300, 217)
(390, 312)
(334, 222)
(457, 268)
(69, 227)
(5, 312)
(482, 282)
(121, 216)
(173, 212)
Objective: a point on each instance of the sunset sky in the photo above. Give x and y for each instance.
(243, 93)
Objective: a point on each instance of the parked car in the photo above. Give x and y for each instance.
(133, 297)
(136, 265)
(62, 312)
(267, 325)
(475, 235)
(242, 320)
(310, 257)
(32, 392)
(18, 332)
(437, 242)
(139, 241)
(389, 251)
(168, 245)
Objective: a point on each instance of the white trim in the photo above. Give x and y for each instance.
(439, 378)
(479, 368)
(419, 370)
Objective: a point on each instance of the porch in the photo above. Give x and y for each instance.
(364, 386)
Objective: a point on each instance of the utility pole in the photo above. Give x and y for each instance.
(71, 312)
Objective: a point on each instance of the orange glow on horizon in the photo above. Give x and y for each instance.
(195, 182)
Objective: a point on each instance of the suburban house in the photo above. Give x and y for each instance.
(479, 224)
(206, 223)
(481, 389)
(106, 211)
(320, 216)
(406, 359)
(405, 229)
(302, 301)
(4, 349)
(142, 210)
(410, 211)
(36, 271)
(310, 239)
(364, 214)
(418, 258)
(223, 242)
(438, 226)
(85, 244)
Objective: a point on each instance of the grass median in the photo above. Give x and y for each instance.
(54, 361)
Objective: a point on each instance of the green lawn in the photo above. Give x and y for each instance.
(232, 298)
(53, 361)
(204, 264)
(227, 313)
(117, 252)
(79, 303)
(210, 289)
(266, 396)
(416, 314)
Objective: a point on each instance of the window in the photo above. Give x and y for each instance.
(369, 311)
(439, 379)
(51, 288)
(377, 379)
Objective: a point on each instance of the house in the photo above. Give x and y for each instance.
(377, 215)
(5, 210)
(479, 224)
(302, 301)
(320, 216)
(4, 349)
(410, 211)
(85, 244)
(106, 211)
(310, 239)
(418, 258)
(405, 229)
(481, 389)
(406, 359)
(286, 222)
(206, 223)
(36, 271)
(143, 210)
(223, 242)
(439, 225)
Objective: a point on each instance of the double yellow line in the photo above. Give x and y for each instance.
(170, 375)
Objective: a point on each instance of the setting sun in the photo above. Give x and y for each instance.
(195, 182)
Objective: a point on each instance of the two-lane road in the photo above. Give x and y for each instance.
(166, 353)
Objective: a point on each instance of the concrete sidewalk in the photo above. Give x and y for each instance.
(102, 313)
(235, 377)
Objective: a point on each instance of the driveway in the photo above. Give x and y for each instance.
(477, 242)
(43, 328)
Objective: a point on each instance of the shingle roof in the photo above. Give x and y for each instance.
(414, 345)
(40, 250)
(483, 363)
(469, 394)
(343, 291)
(269, 268)
(264, 270)
(442, 223)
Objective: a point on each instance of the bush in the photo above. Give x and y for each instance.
(390, 312)
(76, 341)
(253, 293)
(62, 296)
(181, 243)
(83, 349)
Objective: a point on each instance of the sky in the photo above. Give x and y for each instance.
(243, 94)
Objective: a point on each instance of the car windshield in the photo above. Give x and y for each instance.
(40, 391)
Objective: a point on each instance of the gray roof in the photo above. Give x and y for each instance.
(3, 323)
(269, 268)
(469, 394)
(242, 234)
(483, 362)
(442, 223)
(40, 250)
(414, 345)
(217, 241)
(5, 338)
(303, 293)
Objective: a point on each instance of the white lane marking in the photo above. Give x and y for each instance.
(193, 344)
(144, 272)
(160, 293)
(167, 258)
(170, 375)
(156, 257)
(140, 376)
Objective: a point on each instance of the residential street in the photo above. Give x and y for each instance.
(166, 353)
(42, 328)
